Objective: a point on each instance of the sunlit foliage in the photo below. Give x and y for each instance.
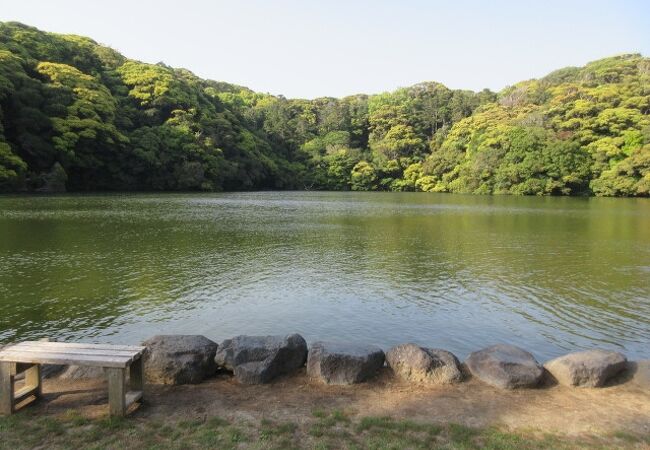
(79, 115)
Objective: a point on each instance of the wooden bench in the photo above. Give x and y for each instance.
(28, 356)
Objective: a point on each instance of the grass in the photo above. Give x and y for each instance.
(324, 430)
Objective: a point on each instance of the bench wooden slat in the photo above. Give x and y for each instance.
(96, 355)
(70, 345)
(4, 355)
(73, 351)
(63, 358)
(30, 353)
(67, 345)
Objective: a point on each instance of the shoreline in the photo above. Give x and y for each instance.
(294, 412)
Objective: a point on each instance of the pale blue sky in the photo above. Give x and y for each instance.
(303, 48)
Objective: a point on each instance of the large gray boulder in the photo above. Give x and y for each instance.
(424, 365)
(179, 359)
(343, 364)
(590, 368)
(260, 359)
(505, 366)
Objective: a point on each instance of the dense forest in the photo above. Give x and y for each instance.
(79, 116)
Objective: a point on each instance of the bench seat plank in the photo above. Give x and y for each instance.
(102, 355)
(64, 359)
(71, 345)
(73, 351)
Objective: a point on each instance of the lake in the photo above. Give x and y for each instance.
(457, 272)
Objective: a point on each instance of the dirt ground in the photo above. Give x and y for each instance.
(622, 406)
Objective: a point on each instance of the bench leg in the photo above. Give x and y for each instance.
(6, 388)
(116, 391)
(136, 375)
(33, 379)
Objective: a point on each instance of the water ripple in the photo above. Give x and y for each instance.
(458, 272)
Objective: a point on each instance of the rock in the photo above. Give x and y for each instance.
(80, 373)
(334, 363)
(505, 366)
(260, 359)
(590, 368)
(179, 359)
(424, 365)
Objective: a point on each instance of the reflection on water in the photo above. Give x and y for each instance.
(457, 272)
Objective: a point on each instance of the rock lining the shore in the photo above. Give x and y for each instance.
(261, 359)
(589, 368)
(189, 359)
(343, 364)
(424, 365)
(505, 366)
(179, 359)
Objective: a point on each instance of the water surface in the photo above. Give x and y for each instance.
(450, 271)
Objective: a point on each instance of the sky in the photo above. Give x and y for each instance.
(308, 49)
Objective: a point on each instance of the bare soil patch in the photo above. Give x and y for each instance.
(622, 406)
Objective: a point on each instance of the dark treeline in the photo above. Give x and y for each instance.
(78, 115)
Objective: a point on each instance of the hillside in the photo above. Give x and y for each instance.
(79, 116)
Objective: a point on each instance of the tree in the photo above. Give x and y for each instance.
(339, 168)
(400, 140)
(630, 177)
(363, 177)
(55, 180)
(71, 106)
(11, 167)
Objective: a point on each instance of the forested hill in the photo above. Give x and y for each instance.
(78, 115)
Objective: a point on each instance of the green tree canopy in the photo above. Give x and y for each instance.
(83, 115)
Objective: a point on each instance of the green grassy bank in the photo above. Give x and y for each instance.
(324, 430)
